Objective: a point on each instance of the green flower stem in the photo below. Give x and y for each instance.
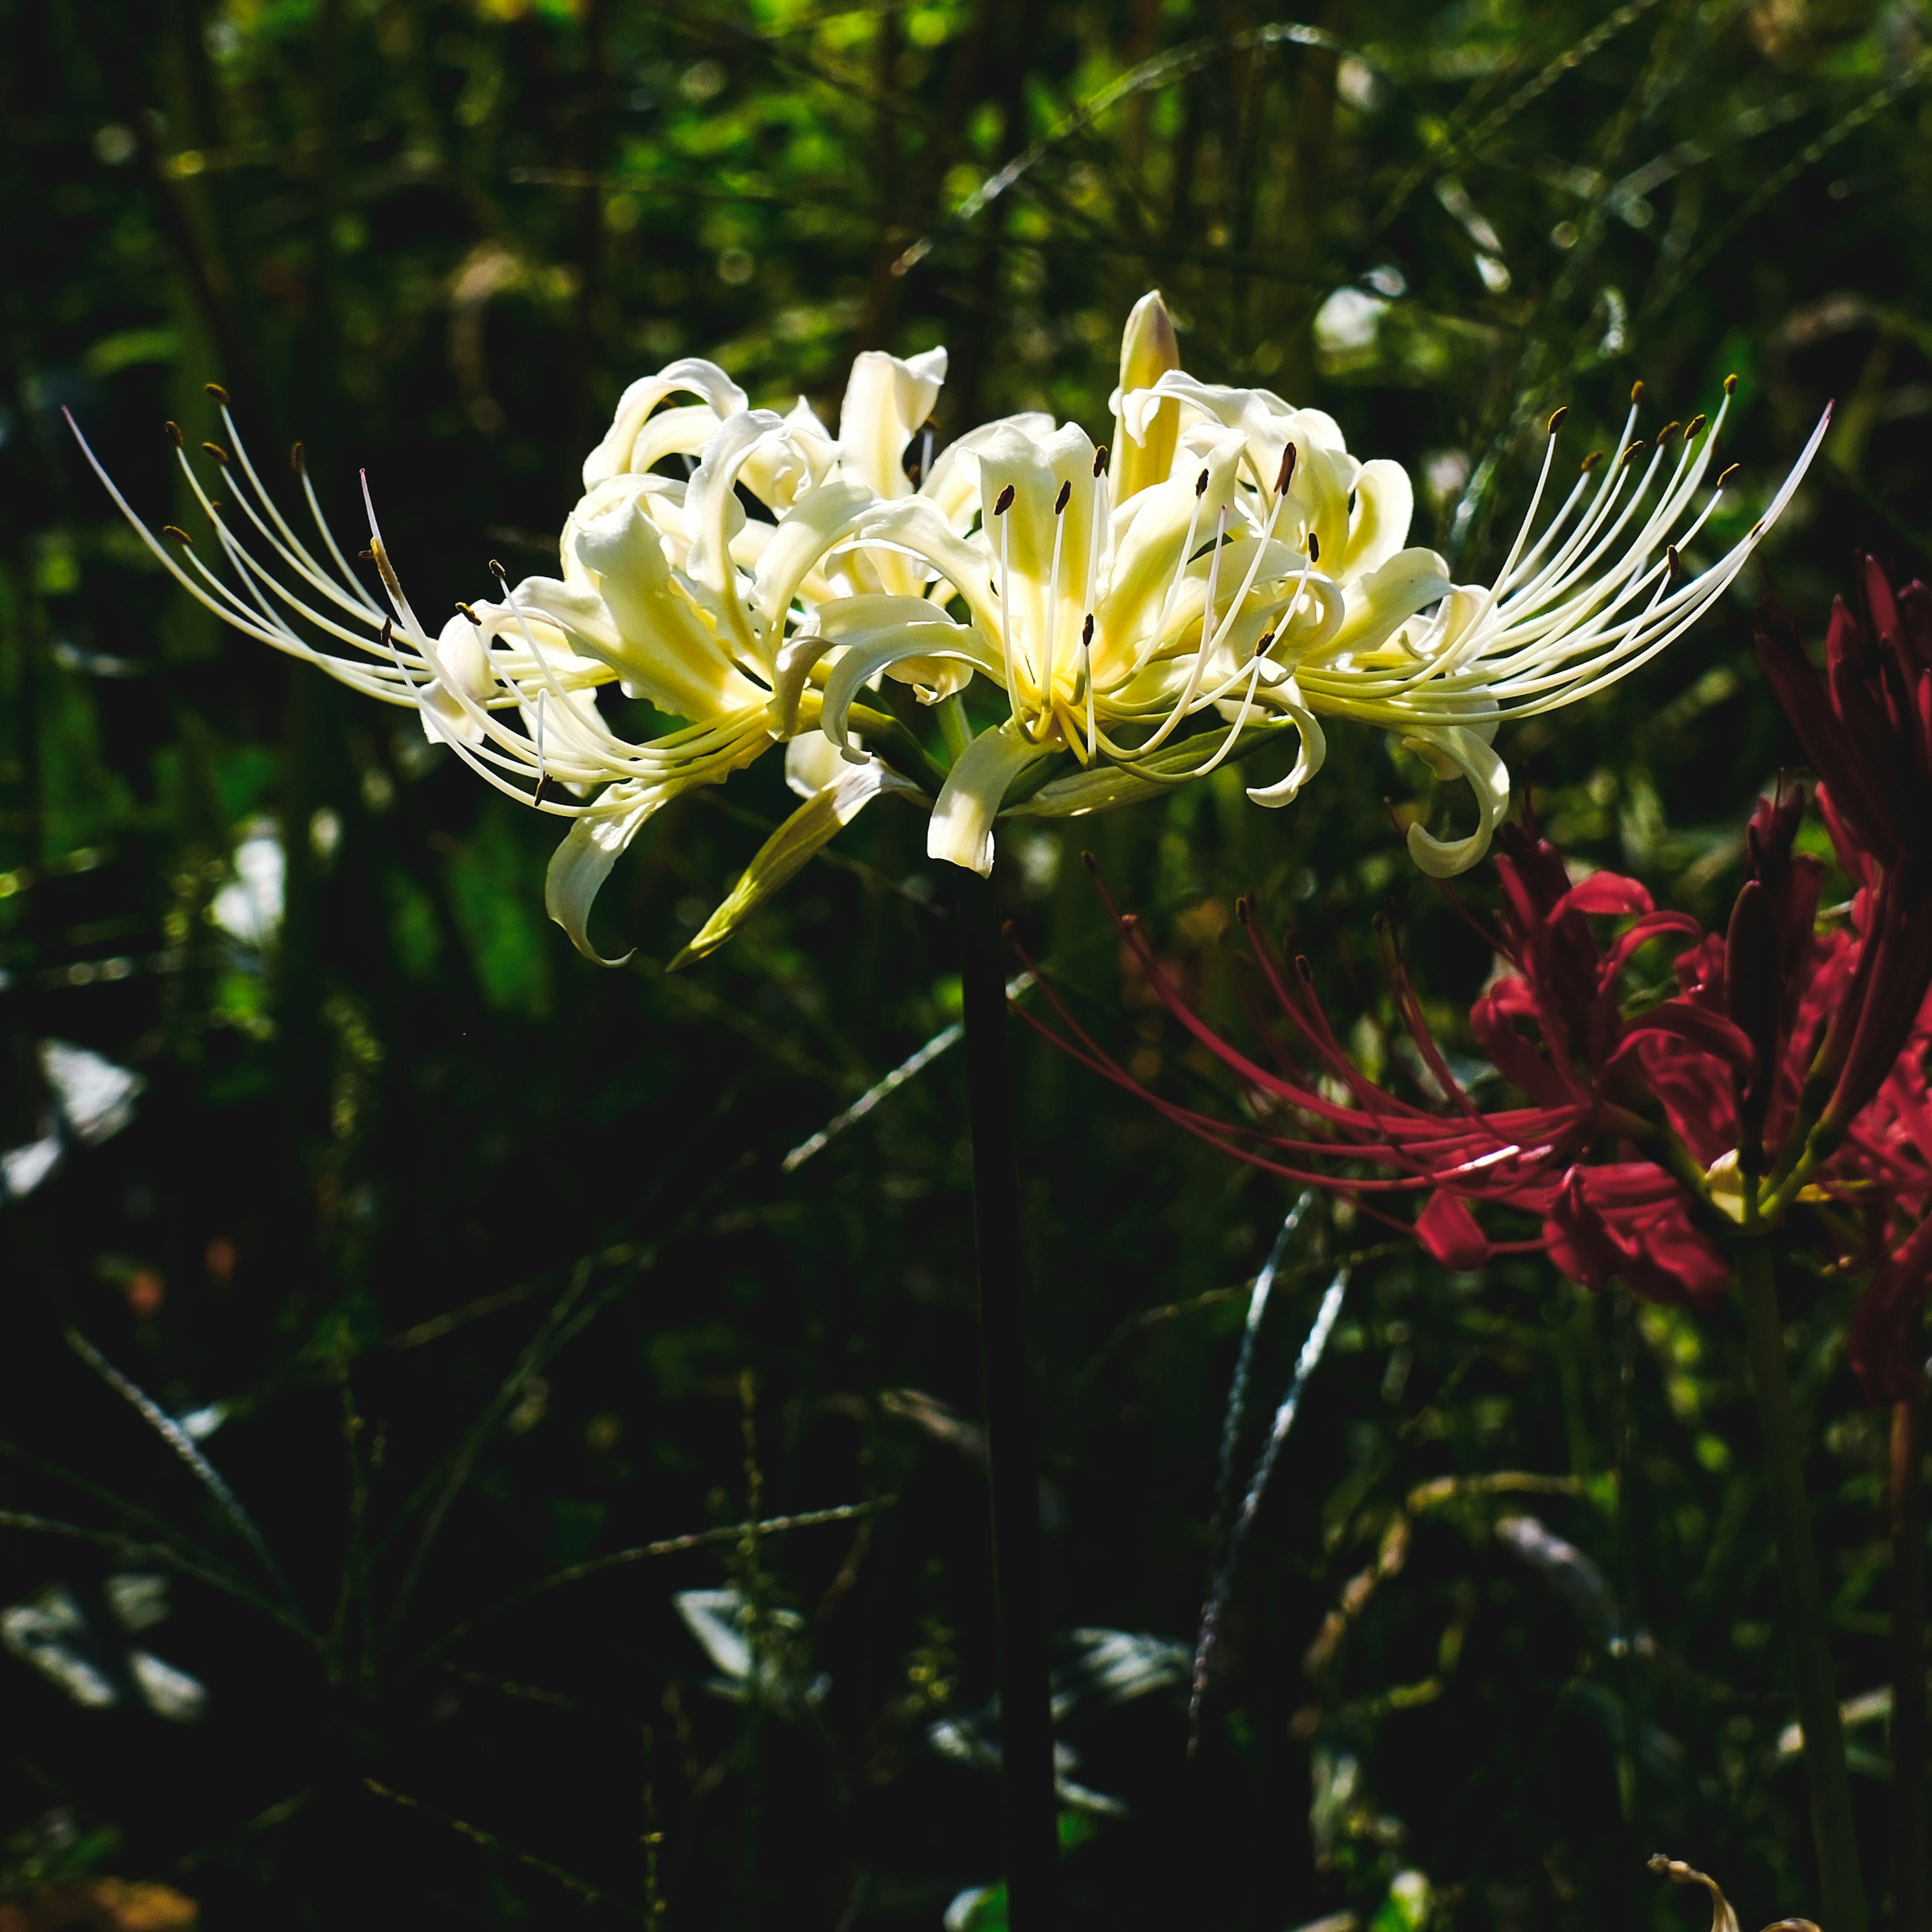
(1026, 1716)
(1831, 1819)
(1910, 1887)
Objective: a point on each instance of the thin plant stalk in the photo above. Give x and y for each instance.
(1026, 1717)
(1832, 1822)
(1908, 1688)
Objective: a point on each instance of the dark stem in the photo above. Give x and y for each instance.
(1026, 1719)
(1908, 1682)
(1831, 1820)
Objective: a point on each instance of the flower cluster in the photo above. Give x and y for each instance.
(1787, 1083)
(1231, 573)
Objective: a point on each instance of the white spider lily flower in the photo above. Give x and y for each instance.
(1110, 625)
(1601, 591)
(667, 589)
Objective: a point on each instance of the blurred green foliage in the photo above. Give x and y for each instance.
(490, 1261)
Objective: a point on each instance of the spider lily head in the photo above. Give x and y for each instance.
(667, 589)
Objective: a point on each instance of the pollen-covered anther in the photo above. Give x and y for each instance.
(1004, 501)
(1061, 502)
(1694, 428)
(468, 612)
(219, 394)
(1556, 419)
(215, 450)
(1636, 392)
(1730, 385)
(1287, 473)
(1725, 476)
(1636, 450)
(1669, 429)
(1590, 462)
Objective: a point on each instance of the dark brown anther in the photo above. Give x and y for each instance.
(542, 791)
(219, 394)
(467, 612)
(1631, 454)
(298, 459)
(174, 432)
(1285, 475)
(367, 556)
(1693, 428)
(1265, 645)
(215, 450)
(1669, 429)
(1590, 462)
(1200, 484)
(1086, 631)
(1061, 502)
(1636, 393)
(1673, 565)
(1314, 547)
(1728, 474)
(497, 571)
(1243, 911)
(180, 535)
(1092, 864)
(1100, 460)
(1004, 501)
(1730, 385)
(1556, 419)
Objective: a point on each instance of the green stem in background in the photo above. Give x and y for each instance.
(1026, 1718)
(1909, 1886)
(1831, 1819)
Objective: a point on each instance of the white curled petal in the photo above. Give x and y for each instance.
(961, 829)
(936, 637)
(691, 376)
(1287, 697)
(1468, 749)
(818, 519)
(1384, 505)
(713, 514)
(1383, 601)
(886, 399)
(580, 865)
(954, 483)
(465, 660)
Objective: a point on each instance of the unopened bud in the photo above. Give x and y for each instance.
(1148, 350)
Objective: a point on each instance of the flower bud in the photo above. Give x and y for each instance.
(1148, 350)
(1754, 995)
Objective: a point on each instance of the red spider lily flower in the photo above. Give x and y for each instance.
(1644, 1147)
(1867, 727)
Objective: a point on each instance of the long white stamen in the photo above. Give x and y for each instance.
(1000, 510)
(1053, 608)
(1180, 568)
(1199, 665)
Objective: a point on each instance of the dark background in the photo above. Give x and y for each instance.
(410, 1135)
